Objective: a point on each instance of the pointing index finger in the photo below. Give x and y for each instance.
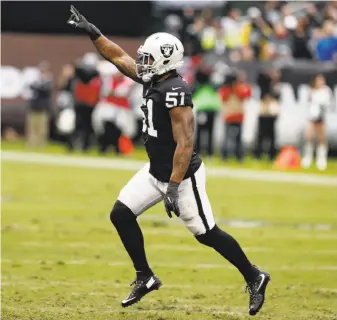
(74, 11)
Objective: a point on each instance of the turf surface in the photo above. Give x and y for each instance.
(62, 259)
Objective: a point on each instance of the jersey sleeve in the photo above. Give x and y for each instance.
(178, 94)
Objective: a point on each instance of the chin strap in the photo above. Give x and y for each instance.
(146, 78)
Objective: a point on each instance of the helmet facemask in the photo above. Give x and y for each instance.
(145, 68)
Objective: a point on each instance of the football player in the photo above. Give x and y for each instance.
(175, 174)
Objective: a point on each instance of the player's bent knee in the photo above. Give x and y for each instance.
(120, 213)
(195, 225)
(207, 238)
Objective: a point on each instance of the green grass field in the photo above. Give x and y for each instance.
(62, 259)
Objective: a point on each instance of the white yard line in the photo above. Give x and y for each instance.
(154, 247)
(165, 265)
(132, 165)
(178, 247)
(182, 233)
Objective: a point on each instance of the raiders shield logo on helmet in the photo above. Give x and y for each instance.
(166, 50)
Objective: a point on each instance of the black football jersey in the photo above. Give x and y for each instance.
(158, 99)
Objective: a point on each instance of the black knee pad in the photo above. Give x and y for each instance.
(207, 238)
(121, 214)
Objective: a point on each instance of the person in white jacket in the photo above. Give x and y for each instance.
(320, 99)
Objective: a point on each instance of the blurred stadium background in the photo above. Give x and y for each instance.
(71, 138)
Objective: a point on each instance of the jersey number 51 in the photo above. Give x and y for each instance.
(171, 101)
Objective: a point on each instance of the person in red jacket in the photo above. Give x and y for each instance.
(111, 117)
(233, 95)
(86, 88)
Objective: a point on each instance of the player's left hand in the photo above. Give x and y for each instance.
(77, 20)
(171, 199)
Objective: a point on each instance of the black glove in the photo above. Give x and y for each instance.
(171, 199)
(79, 21)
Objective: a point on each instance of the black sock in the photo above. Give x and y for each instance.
(131, 235)
(229, 248)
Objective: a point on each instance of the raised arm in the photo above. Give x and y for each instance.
(116, 55)
(107, 49)
(182, 119)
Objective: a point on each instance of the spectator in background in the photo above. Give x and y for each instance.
(233, 95)
(320, 99)
(66, 78)
(193, 37)
(255, 31)
(281, 40)
(86, 89)
(288, 18)
(269, 85)
(207, 15)
(330, 12)
(232, 26)
(271, 12)
(187, 19)
(315, 20)
(213, 37)
(326, 49)
(39, 106)
(109, 117)
(65, 102)
(207, 104)
(301, 37)
(173, 25)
